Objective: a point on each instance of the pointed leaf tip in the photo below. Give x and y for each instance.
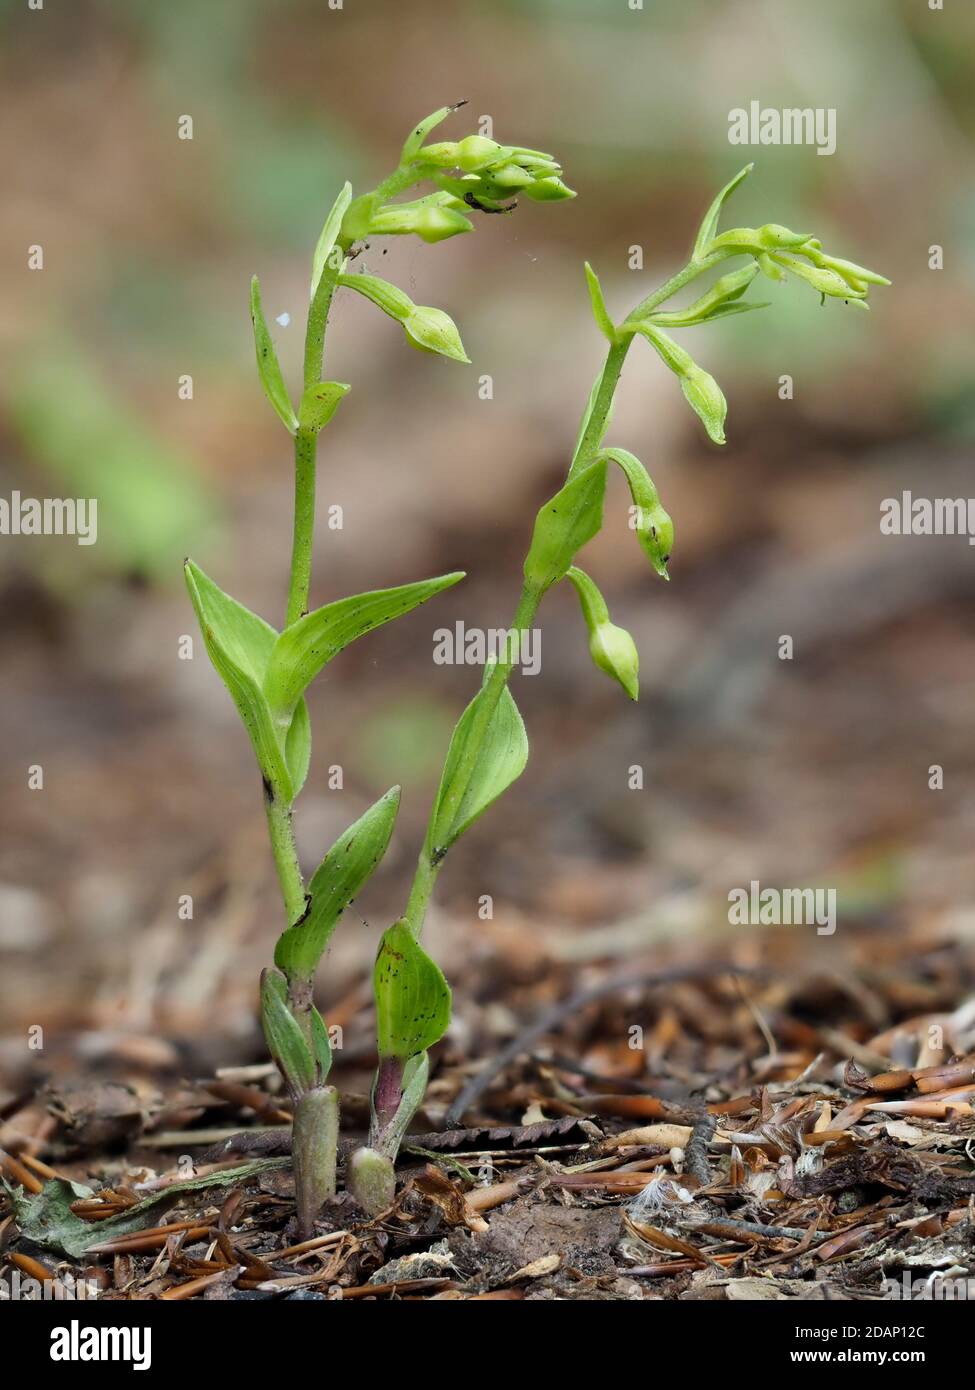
(308, 645)
(709, 224)
(268, 367)
(599, 311)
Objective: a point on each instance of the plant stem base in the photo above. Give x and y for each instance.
(372, 1180)
(314, 1144)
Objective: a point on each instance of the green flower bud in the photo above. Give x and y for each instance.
(656, 531)
(438, 223)
(549, 190)
(772, 237)
(511, 176)
(823, 280)
(706, 398)
(614, 651)
(357, 222)
(445, 154)
(432, 330)
(490, 198)
(856, 276)
(476, 153)
(769, 268)
(611, 648)
(703, 393)
(654, 527)
(433, 218)
(531, 159)
(721, 299)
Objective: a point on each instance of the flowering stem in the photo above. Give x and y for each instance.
(315, 1125)
(428, 865)
(689, 272)
(306, 446)
(592, 436)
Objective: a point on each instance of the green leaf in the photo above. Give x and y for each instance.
(584, 425)
(500, 761)
(283, 1036)
(564, 524)
(720, 311)
(654, 527)
(297, 747)
(321, 1046)
(239, 644)
(339, 877)
(412, 996)
(309, 644)
(329, 235)
(46, 1218)
(710, 223)
(267, 363)
(320, 402)
(599, 311)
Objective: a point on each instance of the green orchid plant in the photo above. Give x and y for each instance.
(489, 747)
(268, 672)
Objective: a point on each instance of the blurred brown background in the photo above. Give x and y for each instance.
(810, 772)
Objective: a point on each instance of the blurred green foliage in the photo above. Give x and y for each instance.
(151, 507)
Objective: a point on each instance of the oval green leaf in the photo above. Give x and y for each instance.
(283, 1036)
(564, 524)
(239, 644)
(412, 996)
(339, 877)
(320, 402)
(501, 760)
